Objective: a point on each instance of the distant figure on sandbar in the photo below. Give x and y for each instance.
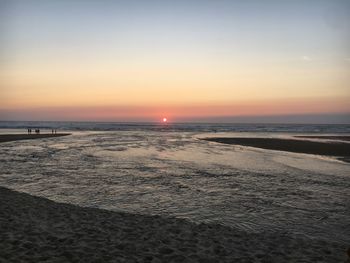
(28, 131)
(55, 131)
(52, 131)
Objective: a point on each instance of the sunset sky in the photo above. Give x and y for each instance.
(184, 60)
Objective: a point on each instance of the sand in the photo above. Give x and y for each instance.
(18, 137)
(35, 229)
(338, 149)
(326, 137)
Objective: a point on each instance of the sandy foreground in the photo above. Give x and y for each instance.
(35, 229)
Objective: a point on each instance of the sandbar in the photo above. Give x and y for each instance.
(339, 149)
(18, 137)
(326, 137)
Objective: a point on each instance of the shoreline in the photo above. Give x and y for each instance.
(19, 137)
(37, 229)
(335, 149)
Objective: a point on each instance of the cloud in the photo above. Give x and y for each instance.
(306, 58)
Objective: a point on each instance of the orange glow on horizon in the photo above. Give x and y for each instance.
(180, 112)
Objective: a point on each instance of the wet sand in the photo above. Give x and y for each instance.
(338, 149)
(17, 137)
(35, 229)
(341, 138)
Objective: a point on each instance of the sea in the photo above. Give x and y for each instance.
(177, 127)
(167, 170)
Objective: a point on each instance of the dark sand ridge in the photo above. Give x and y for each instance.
(17, 137)
(35, 229)
(338, 149)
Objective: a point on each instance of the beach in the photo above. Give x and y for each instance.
(35, 229)
(175, 131)
(150, 196)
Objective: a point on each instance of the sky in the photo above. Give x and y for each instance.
(185, 60)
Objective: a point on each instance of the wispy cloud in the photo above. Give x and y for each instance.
(306, 58)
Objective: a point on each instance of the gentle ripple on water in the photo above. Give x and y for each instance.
(176, 174)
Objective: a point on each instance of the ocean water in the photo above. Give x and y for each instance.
(172, 127)
(168, 170)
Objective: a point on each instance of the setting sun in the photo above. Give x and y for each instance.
(165, 120)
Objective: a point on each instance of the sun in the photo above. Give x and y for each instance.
(165, 119)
